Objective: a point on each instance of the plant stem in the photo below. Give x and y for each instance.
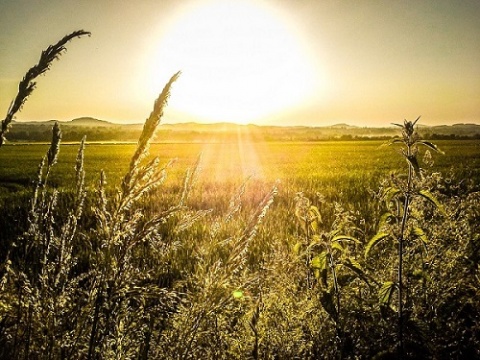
(400, 255)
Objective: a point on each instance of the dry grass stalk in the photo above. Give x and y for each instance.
(147, 133)
(28, 84)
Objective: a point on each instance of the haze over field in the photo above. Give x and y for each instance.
(267, 62)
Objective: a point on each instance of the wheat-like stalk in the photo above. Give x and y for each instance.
(28, 84)
(147, 133)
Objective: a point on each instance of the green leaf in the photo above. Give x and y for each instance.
(385, 293)
(314, 217)
(297, 248)
(374, 241)
(320, 261)
(337, 246)
(316, 240)
(386, 218)
(354, 265)
(430, 197)
(345, 238)
(395, 141)
(430, 145)
(237, 294)
(420, 274)
(420, 234)
(412, 160)
(389, 193)
(418, 118)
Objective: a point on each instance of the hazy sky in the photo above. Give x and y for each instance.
(284, 62)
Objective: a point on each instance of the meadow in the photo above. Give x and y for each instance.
(299, 166)
(232, 268)
(343, 171)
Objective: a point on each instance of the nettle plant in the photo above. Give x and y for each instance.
(401, 223)
(331, 258)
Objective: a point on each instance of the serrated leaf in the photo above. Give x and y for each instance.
(345, 238)
(374, 241)
(412, 160)
(430, 197)
(385, 293)
(389, 193)
(430, 145)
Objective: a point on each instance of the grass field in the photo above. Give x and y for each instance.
(309, 166)
(345, 172)
(145, 274)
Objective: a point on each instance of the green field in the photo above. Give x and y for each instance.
(235, 273)
(306, 166)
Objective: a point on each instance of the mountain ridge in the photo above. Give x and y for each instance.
(102, 130)
(91, 121)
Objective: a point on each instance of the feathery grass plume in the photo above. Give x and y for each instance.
(70, 228)
(259, 214)
(234, 206)
(39, 195)
(27, 85)
(189, 180)
(147, 133)
(54, 149)
(80, 171)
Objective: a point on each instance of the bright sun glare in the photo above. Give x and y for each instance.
(240, 62)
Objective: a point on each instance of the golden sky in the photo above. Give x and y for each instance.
(280, 62)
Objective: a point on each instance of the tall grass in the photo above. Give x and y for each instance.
(28, 84)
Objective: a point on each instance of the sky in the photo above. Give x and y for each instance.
(269, 62)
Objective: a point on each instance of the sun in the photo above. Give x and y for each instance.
(240, 62)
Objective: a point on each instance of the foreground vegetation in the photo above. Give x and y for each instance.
(217, 266)
(356, 252)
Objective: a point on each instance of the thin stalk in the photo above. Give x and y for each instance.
(96, 318)
(338, 325)
(400, 255)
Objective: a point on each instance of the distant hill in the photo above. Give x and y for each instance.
(343, 126)
(101, 130)
(88, 121)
